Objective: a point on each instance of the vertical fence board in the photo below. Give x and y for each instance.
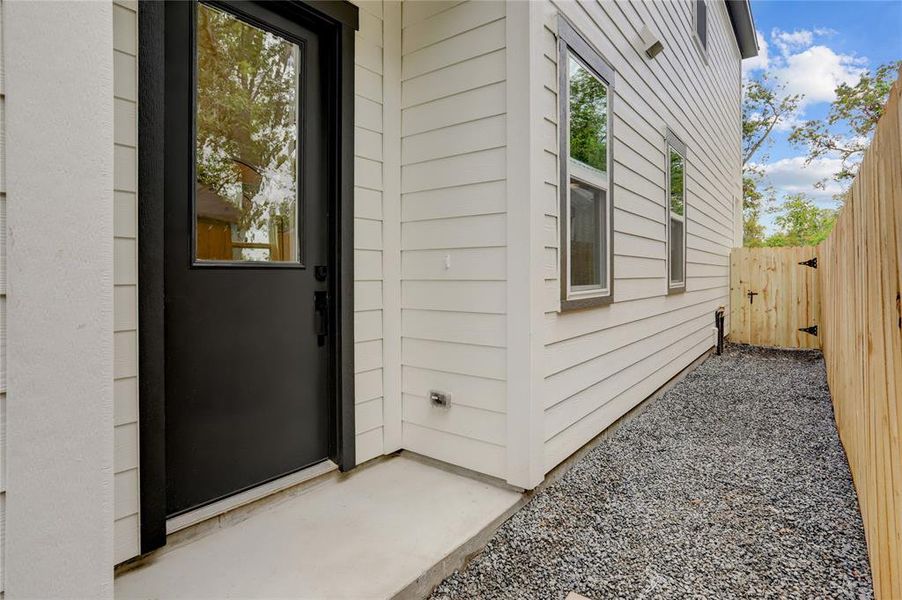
(737, 318)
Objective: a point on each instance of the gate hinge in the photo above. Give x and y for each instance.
(812, 330)
(811, 262)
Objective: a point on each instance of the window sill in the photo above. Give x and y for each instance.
(677, 289)
(583, 303)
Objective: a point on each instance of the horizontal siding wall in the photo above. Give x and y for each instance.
(601, 362)
(125, 280)
(368, 243)
(453, 231)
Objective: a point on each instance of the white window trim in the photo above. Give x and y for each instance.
(571, 43)
(675, 144)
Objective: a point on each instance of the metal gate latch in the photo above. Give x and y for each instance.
(812, 330)
(811, 262)
(751, 296)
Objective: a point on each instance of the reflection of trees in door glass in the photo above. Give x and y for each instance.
(246, 141)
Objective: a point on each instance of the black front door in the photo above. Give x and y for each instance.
(246, 263)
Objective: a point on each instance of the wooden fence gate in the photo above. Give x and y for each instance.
(774, 297)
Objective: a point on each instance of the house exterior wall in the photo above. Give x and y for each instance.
(456, 233)
(599, 363)
(453, 231)
(436, 232)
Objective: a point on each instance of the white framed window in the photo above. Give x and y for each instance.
(675, 169)
(700, 25)
(586, 83)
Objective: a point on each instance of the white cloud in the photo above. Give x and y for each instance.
(816, 71)
(813, 70)
(788, 41)
(757, 62)
(792, 175)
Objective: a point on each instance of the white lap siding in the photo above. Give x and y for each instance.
(453, 231)
(368, 191)
(125, 279)
(601, 362)
(368, 238)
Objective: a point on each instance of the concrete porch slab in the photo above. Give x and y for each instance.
(366, 535)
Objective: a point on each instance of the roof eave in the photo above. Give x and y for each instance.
(743, 26)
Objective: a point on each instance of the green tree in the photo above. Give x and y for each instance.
(764, 107)
(801, 222)
(846, 131)
(752, 229)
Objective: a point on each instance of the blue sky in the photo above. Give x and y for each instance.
(811, 46)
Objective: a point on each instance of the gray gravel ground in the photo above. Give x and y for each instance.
(733, 484)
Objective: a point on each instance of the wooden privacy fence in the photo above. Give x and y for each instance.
(853, 296)
(861, 336)
(774, 298)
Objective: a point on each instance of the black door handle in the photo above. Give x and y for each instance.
(321, 316)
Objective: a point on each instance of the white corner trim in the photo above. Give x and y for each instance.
(60, 169)
(524, 255)
(391, 225)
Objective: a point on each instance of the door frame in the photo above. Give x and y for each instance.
(336, 22)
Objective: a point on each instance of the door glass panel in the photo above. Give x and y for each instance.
(588, 235)
(246, 142)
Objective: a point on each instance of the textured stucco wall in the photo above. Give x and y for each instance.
(59, 84)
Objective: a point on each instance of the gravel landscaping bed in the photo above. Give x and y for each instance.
(733, 484)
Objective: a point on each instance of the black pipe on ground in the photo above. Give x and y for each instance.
(718, 322)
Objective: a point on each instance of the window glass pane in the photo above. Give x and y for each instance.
(588, 117)
(246, 201)
(676, 250)
(701, 22)
(588, 235)
(677, 165)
